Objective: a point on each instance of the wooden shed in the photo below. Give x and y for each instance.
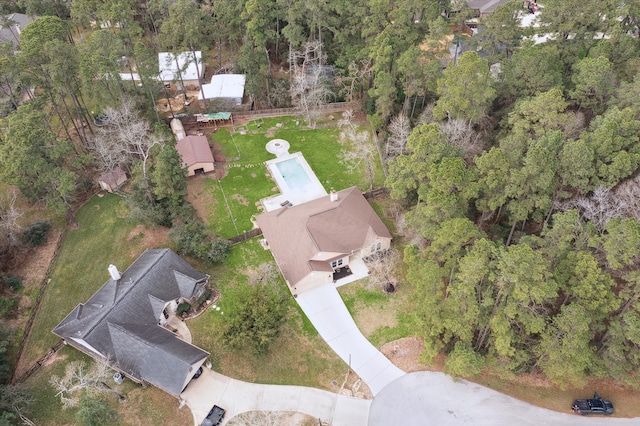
(112, 180)
(196, 154)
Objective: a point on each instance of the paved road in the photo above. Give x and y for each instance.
(428, 398)
(237, 397)
(330, 317)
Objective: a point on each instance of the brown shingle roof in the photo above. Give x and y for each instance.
(194, 149)
(297, 234)
(111, 177)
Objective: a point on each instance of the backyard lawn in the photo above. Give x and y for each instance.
(102, 238)
(247, 181)
(105, 236)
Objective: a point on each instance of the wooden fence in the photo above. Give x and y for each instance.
(36, 306)
(375, 193)
(247, 235)
(39, 363)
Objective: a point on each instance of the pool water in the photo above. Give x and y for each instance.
(294, 174)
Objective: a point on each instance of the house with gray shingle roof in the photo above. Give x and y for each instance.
(318, 242)
(122, 324)
(12, 27)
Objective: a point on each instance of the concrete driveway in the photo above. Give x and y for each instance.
(428, 398)
(330, 317)
(237, 397)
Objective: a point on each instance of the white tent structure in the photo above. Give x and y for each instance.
(225, 88)
(184, 70)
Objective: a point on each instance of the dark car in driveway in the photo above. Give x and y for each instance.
(596, 405)
(215, 416)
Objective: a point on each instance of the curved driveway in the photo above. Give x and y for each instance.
(237, 397)
(415, 399)
(330, 317)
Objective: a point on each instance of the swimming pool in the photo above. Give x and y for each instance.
(293, 174)
(295, 179)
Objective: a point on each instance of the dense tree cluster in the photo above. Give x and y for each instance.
(517, 162)
(525, 254)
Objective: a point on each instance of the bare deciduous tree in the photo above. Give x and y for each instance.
(358, 76)
(264, 273)
(310, 86)
(362, 147)
(126, 138)
(78, 377)
(9, 217)
(382, 266)
(628, 195)
(599, 208)
(460, 133)
(399, 130)
(426, 116)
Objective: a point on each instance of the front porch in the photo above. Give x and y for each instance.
(354, 271)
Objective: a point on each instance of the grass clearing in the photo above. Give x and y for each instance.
(81, 267)
(143, 405)
(247, 181)
(298, 357)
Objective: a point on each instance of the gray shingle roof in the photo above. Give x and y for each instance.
(120, 321)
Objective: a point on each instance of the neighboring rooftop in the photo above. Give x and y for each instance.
(194, 149)
(12, 33)
(224, 86)
(119, 323)
(186, 65)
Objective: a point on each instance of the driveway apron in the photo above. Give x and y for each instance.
(328, 314)
(237, 397)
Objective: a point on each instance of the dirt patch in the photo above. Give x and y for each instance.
(53, 358)
(199, 197)
(147, 237)
(33, 269)
(281, 418)
(240, 199)
(271, 132)
(405, 354)
(369, 319)
(178, 102)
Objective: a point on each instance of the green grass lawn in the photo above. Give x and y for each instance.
(106, 236)
(298, 357)
(81, 267)
(238, 194)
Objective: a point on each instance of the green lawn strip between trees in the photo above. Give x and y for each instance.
(81, 267)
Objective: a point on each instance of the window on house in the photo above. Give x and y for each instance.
(336, 263)
(379, 246)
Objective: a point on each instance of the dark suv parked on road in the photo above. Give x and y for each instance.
(596, 405)
(215, 416)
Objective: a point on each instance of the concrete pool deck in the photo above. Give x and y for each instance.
(294, 189)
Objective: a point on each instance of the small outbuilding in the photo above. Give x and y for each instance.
(113, 179)
(183, 70)
(196, 154)
(178, 129)
(225, 89)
